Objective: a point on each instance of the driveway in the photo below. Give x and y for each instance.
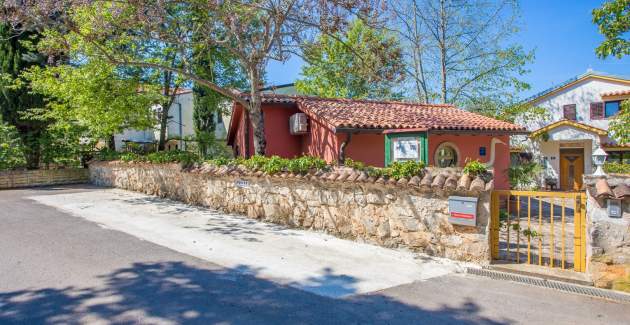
(88, 255)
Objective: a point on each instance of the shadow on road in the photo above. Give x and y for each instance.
(177, 292)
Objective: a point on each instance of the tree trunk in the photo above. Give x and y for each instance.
(442, 44)
(111, 143)
(255, 113)
(166, 106)
(421, 84)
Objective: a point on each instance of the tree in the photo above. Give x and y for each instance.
(253, 32)
(613, 21)
(11, 150)
(94, 96)
(620, 125)
(16, 55)
(219, 66)
(361, 63)
(457, 51)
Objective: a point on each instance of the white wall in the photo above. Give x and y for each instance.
(582, 95)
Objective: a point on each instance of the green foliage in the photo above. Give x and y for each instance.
(95, 96)
(304, 164)
(475, 168)
(613, 21)
(274, 165)
(524, 175)
(11, 151)
(362, 63)
(107, 154)
(407, 169)
(617, 168)
(396, 170)
(186, 158)
(16, 55)
(531, 233)
(620, 125)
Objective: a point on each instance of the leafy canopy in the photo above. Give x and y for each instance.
(360, 63)
(93, 95)
(613, 21)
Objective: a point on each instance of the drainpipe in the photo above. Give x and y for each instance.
(181, 128)
(342, 148)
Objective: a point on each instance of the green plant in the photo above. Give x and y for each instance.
(531, 233)
(304, 164)
(354, 164)
(255, 162)
(475, 168)
(406, 169)
(11, 150)
(107, 154)
(275, 165)
(617, 168)
(524, 175)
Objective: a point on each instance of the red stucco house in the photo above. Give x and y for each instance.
(377, 132)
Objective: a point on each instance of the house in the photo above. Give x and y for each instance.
(579, 110)
(180, 126)
(376, 132)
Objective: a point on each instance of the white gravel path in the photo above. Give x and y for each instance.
(311, 261)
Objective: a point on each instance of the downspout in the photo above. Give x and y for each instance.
(342, 148)
(181, 128)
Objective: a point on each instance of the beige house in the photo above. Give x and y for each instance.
(580, 111)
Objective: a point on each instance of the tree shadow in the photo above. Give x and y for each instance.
(181, 293)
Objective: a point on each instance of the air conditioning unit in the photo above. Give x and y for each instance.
(298, 123)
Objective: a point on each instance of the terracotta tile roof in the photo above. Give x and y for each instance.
(616, 93)
(369, 114)
(615, 186)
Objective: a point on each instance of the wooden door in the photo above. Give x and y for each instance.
(571, 169)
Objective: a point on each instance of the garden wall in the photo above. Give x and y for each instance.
(42, 177)
(410, 213)
(609, 237)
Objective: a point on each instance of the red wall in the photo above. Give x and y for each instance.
(468, 146)
(321, 142)
(368, 148)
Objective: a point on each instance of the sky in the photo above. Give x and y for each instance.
(560, 32)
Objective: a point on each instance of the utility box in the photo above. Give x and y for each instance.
(462, 210)
(614, 208)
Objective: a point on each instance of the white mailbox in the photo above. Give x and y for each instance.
(462, 210)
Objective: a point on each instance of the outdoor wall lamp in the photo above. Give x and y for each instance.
(599, 158)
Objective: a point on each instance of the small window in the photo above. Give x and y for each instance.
(446, 155)
(406, 148)
(612, 108)
(597, 111)
(569, 112)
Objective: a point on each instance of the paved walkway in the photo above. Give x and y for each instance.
(60, 268)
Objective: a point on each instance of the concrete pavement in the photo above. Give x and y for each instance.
(57, 268)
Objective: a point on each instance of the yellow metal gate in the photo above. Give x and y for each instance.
(540, 228)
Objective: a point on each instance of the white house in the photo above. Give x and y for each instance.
(180, 125)
(579, 115)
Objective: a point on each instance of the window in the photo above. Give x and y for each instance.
(597, 111)
(611, 108)
(569, 112)
(621, 157)
(446, 155)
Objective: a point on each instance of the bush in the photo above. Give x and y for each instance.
(525, 175)
(407, 169)
(107, 154)
(11, 150)
(475, 168)
(617, 168)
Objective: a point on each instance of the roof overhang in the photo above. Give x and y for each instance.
(569, 123)
(575, 82)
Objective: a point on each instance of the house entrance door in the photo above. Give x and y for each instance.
(571, 169)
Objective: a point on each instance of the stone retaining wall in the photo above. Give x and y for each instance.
(609, 237)
(42, 177)
(389, 215)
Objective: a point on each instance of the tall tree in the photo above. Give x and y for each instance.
(458, 51)
(17, 53)
(361, 63)
(254, 32)
(613, 21)
(219, 66)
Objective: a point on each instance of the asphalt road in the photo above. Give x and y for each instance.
(58, 268)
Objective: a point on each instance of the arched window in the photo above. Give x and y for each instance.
(446, 155)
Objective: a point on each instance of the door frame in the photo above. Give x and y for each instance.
(570, 151)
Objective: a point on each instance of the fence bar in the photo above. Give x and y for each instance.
(518, 229)
(540, 241)
(552, 245)
(563, 238)
(529, 229)
(508, 227)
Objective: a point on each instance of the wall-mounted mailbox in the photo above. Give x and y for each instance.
(614, 208)
(462, 210)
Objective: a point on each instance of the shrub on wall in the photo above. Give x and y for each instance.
(475, 168)
(617, 168)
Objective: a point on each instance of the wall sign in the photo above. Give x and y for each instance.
(241, 183)
(406, 148)
(482, 151)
